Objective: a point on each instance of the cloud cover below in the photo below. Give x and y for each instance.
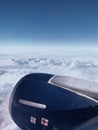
(12, 68)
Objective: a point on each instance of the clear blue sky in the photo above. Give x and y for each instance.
(49, 21)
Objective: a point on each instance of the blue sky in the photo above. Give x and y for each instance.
(49, 22)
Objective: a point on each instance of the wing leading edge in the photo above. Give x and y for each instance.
(81, 87)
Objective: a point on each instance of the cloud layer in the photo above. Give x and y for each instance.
(12, 68)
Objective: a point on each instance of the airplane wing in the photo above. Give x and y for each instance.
(81, 87)
(49, 102)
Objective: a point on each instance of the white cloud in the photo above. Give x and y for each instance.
(46, 48)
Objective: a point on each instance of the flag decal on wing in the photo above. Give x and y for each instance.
(44, 122)
(33, 120)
